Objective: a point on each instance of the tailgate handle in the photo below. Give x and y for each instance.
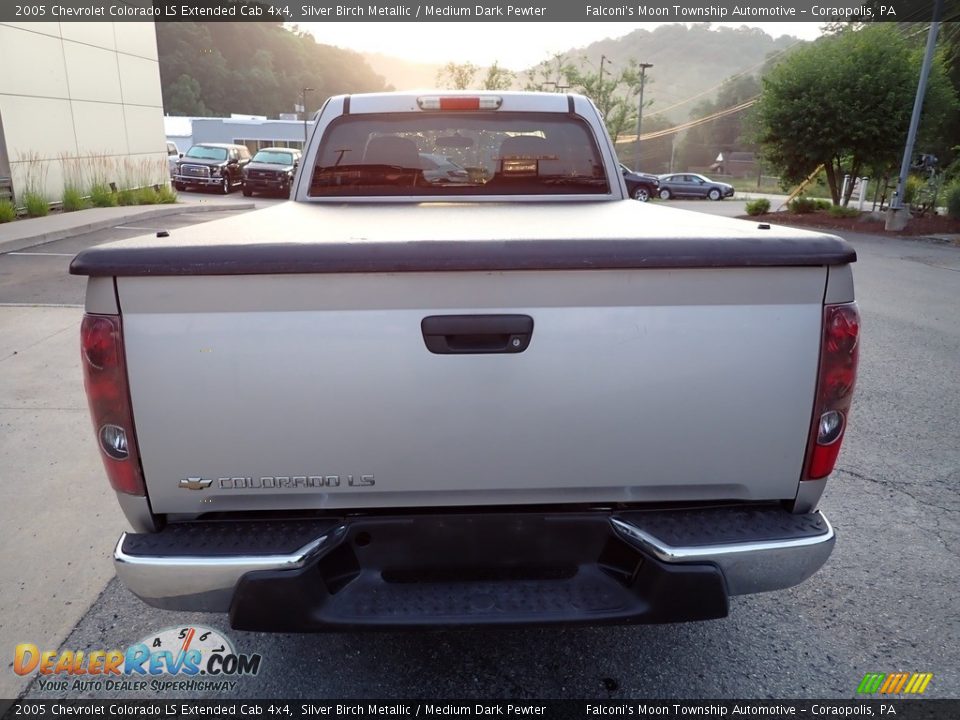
(476, 334)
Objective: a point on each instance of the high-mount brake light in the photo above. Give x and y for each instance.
(839, 352)
(108, 394)
(459, 102)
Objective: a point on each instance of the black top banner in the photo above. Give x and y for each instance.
(819, 11)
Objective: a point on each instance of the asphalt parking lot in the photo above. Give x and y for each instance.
(885, 602)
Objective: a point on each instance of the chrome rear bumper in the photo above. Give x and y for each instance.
(779, 551)
(747, 567)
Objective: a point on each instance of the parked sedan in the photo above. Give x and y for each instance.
(693, 185)
(641, 186)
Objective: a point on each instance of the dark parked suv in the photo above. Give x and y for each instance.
(215, 165)
(271, 171)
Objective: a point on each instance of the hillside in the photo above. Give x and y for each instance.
(687, 61)
(214, 69)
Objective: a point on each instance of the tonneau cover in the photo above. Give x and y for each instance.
(402, 237)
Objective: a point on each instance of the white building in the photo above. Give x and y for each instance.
(254, 131)
(81, 102)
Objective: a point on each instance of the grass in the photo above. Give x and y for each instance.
(147, 196)
(91, 181)
(167, 195)
(127, 197)
(73, 199)
(102, 196)
(36, 204)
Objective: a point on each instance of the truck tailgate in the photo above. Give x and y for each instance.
(318, 390)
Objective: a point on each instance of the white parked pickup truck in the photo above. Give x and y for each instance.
(515, 397)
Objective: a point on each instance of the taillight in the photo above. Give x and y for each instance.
(839, 351)
(459, 102)
(105, 379)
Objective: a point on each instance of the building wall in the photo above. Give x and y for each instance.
(254, 133)
(81, 101)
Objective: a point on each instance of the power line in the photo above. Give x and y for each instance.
(691, 123)
(732, 77)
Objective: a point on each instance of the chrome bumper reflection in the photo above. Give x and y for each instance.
(748, 567)
(203, 583)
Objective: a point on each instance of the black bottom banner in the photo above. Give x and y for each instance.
(914, 709)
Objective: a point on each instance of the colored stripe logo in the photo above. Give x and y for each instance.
(894, 683)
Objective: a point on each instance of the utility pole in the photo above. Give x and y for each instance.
(303, 97)
(897, 215)
(601, 94)
(643, 81)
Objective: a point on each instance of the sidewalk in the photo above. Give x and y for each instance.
(58, 516)
(22, 234)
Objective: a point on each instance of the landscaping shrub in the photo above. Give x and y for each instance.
(147, 196)
(73, 199)
(952, 197)
(802, 206)
(36, 204)
(127, 197)
(102, 196)
(821, 204)
(838, 211)
(7, 211)
(758, 206)
(911, 189)
(167, 195)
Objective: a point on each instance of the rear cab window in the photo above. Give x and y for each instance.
(503, 153)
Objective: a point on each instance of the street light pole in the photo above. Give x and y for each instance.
(643, 81)
(303, 98)
(601, 94)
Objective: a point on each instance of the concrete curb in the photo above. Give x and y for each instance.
(41, 238)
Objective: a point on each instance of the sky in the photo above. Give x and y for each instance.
(516, 45)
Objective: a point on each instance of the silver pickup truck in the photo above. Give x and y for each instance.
(510, 395)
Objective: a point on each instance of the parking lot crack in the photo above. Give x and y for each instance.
(946, 537)
(15, 353)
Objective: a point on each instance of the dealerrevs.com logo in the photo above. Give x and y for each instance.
(186, 659)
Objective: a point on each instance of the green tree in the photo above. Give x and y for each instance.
(547, 74)
(845, 102)
(184, 98)
(615, 92)
(257, 68)
(457, 76)
(498, 78)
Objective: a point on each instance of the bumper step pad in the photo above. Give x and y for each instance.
(476, 570)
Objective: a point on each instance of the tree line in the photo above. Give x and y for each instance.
(261, 68)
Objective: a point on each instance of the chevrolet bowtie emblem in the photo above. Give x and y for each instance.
(195, 483)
